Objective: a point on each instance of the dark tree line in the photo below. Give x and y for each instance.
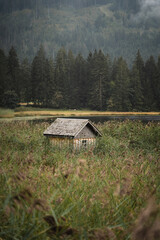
(71, 81)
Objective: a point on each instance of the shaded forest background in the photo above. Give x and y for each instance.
(67, 71)
(118, 28)
(68, 81)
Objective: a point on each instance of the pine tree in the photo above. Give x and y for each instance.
(70, 80)
(139, 66)
(89, 64)
(38, 77)
(136, 95)
(3, 76)
(60, 75)
(110, 102)
(151, 84)
(14, 72)
(80, 88)
(49, 84)
(120, 87)
(25, 81)
(99, 81)
(158, 85)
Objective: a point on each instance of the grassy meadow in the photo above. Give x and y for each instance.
(110, 192)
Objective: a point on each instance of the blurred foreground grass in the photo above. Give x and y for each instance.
(111, 192)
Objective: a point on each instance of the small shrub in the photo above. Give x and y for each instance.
(10, 99)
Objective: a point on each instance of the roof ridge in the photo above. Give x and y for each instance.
(69, 127)
(81, 128)
(85, 119)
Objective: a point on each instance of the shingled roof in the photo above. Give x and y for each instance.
(69, 127)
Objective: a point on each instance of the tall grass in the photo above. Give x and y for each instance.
(111, 192)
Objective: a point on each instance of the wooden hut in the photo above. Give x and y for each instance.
(77, 133)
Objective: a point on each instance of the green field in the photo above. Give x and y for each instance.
(111, 192)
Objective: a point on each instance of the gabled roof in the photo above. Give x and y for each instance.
(69, 127)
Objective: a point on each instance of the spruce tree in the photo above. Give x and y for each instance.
(14, 72)
(70, 80)
(89, 65)
(60, 75)
(158, 85)
(140, 65)
(99, 81)
(136, 95)
(151, 84)
(80, 88)
(38, 77)
(120, 87)
(3, 76)
(49, 84)
(25, 81)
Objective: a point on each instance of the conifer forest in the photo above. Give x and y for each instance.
(75, 82)
(80, 54)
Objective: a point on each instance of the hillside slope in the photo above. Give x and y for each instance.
(115, 30)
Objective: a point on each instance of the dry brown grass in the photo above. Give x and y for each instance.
(66, 113)
(79, 113)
